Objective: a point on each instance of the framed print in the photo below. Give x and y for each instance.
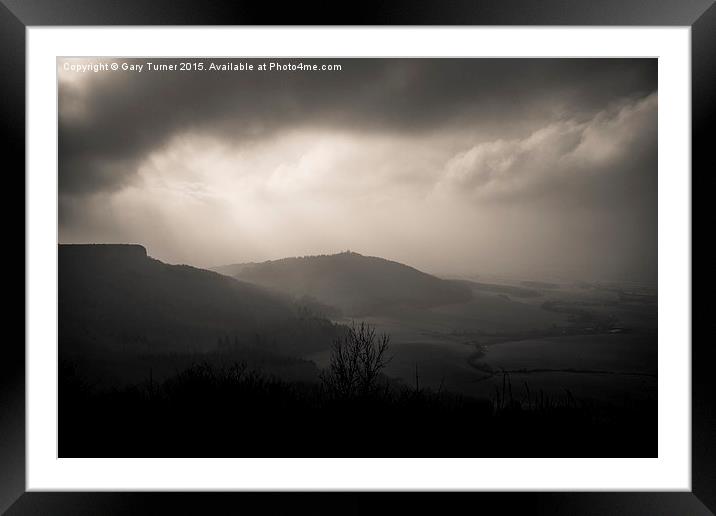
(442, 250)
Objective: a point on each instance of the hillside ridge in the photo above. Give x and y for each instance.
(352, 282)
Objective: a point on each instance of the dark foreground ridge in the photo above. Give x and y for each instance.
(208, 411)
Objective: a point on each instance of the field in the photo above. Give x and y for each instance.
(609, 354)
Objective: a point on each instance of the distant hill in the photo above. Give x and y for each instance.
(356, 284)
(116, 297)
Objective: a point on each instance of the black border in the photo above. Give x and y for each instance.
(16, 15)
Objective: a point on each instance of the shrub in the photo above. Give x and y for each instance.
(357, 360)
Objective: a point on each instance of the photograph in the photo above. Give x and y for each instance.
(357, 257)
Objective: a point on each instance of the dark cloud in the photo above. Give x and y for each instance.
(110, 121)
(611, 155)
(450, 165)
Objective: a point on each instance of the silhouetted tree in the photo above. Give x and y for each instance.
(357, 359)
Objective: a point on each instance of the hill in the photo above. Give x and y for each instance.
(356, 284)
(115, 297)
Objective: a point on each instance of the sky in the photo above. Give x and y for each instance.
(532, 168)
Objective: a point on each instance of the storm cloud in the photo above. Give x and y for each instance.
(460, 166)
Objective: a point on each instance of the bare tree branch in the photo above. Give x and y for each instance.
(356, 362)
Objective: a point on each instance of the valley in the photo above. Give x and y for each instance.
(145, 341)
(592, 340)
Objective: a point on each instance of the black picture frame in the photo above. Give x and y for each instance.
(17, 15)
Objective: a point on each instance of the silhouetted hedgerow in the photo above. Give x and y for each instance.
(235, 411)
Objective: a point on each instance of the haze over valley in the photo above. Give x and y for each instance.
(592, 339)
